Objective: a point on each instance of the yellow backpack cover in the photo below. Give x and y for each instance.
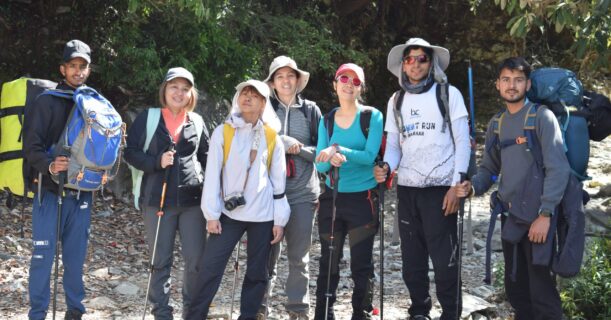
(14, 97)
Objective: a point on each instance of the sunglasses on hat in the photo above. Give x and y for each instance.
(344, 79)
(423, 58)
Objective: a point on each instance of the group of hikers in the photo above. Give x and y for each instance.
(258, 173)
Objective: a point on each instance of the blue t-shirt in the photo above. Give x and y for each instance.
(356, 174)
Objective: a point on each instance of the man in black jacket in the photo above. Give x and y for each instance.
(42, 128)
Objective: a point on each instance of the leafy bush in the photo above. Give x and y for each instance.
(588, 295)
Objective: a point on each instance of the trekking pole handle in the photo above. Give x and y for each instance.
(463, 177)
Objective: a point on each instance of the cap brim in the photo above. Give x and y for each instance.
(79, 55)
(261, 87)
(179, 76)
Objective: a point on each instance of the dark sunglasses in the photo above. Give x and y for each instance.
(344, 79)
(423, 58)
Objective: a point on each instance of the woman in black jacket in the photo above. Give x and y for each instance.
(174, 149)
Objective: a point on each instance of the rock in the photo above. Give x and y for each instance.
(127, 288)
(472, 304)
(101, 303)
(484, 291)
(605, 191)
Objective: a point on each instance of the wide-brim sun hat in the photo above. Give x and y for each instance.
(351, 67)
(395, 57)
(284, 61)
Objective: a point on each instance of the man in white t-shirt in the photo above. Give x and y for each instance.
(429, 148)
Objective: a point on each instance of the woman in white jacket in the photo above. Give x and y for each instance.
(244, 192)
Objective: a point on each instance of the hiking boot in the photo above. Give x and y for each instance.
(419, 317)
(320, 313)
(261, 316)
(73, 315)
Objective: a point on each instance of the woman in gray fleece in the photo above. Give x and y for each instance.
(299, 133)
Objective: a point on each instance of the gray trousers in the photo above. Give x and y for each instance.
(191, 225)
(298, 235)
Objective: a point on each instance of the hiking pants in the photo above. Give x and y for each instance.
(425, 232)
(298, 235)
(533, 295)
(357, 218)
(74, 235)
(217, 254)
(191, 225)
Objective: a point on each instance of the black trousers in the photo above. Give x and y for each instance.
(425, 232)
(357, 217)
(216, 255)
(533, 295)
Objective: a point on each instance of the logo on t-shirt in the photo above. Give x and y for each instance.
(415, 113)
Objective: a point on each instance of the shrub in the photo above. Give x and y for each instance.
(587, 296)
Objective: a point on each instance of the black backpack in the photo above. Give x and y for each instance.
(365, 120)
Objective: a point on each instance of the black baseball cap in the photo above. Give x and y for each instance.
(76, 49)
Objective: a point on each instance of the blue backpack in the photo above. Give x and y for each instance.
(93, 138)
(562, 93)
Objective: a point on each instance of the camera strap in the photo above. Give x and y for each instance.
(254, 148)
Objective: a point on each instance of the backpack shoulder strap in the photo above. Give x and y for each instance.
(531, 134)
(152, 121)
(397, 103)
(496, 122)
(443, 102)
(270, 139)
(329, 121)
(365, 119)
(309, 110)
(66, 94)
(228, 133)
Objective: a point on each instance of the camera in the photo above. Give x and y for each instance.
(234, 200)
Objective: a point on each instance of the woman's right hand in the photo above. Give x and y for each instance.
(326, 154)
(337, 160)
(167, 158)
(214, 227)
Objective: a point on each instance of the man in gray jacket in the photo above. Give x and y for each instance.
(529, 283)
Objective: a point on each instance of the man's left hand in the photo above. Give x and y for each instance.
(539, 229)
(278, 233)
(450, 202)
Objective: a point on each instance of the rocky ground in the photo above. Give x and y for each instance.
(116, 266)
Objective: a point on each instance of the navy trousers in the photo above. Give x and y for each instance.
(74, 235)
(216, 255)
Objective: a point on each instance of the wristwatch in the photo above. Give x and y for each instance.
(545, 213)
(335, 147)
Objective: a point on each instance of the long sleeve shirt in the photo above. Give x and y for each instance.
(356, 174)
(228, 179)
(511, 163)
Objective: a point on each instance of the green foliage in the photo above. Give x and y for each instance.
(589, 22)
(588, 295)
(158, 36)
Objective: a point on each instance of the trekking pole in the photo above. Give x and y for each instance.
(159, 215)
(236, 268)
(335, 183)
(60, 196)
(472, 113)
(382, 189)
(459, 220)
